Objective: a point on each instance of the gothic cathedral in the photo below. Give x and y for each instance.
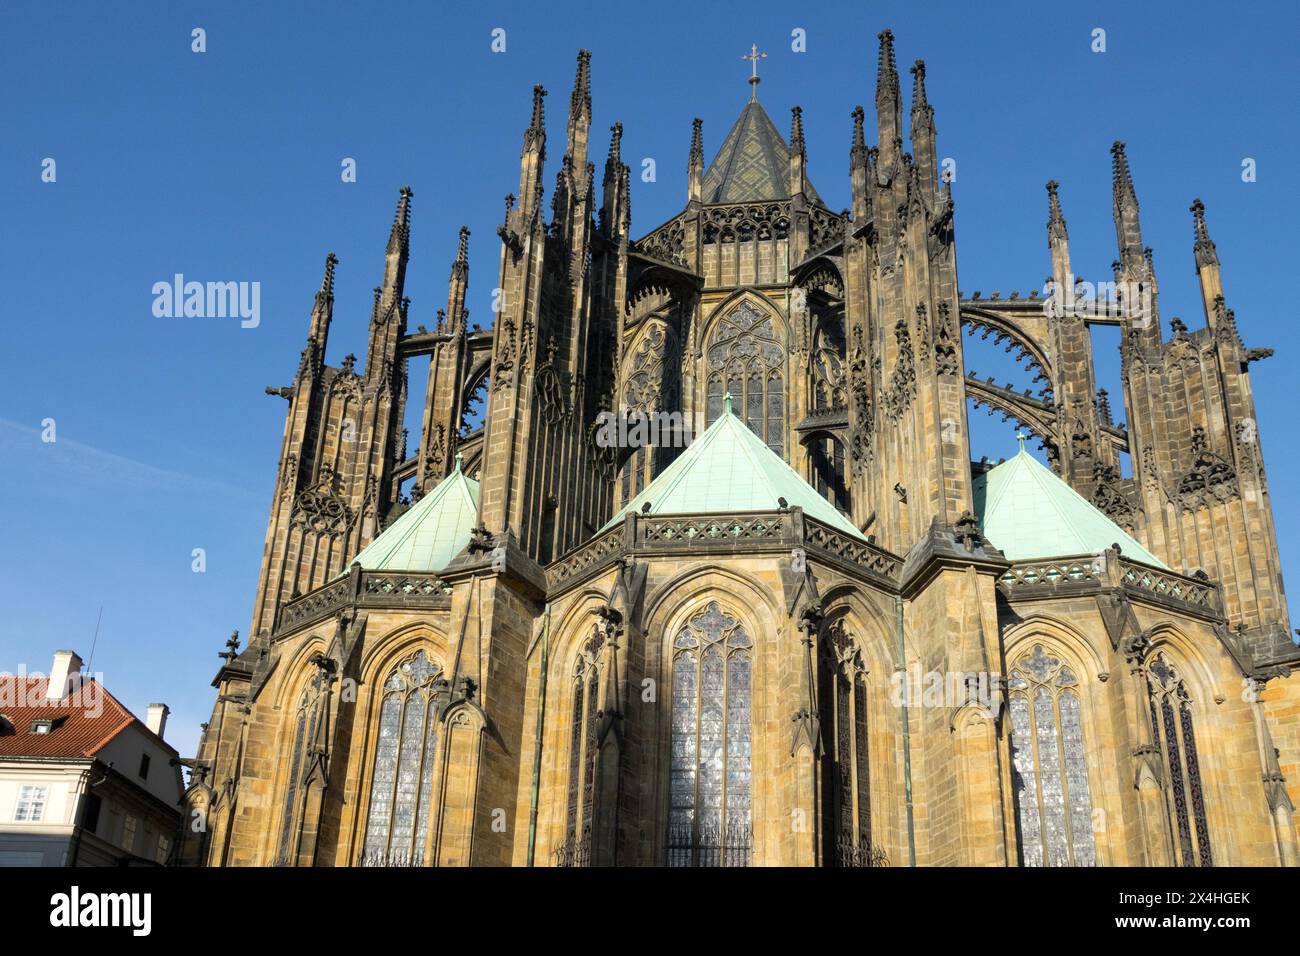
(804, 630)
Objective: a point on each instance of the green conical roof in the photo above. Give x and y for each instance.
(1028, 512)
(728, 469)
(753, 162)
(433, 531)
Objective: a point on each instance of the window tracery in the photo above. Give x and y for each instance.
(710, 764)
(1049, 775)
(842, 691)
(401, 787)
(1172, 726)
(745, 358)
(584, 727)
(306, 722)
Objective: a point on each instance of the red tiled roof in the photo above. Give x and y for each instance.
(85, 721)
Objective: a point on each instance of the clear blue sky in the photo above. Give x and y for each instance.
(225, 166)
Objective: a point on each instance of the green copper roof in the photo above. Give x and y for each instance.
(753, 162)
(432, 532)
(728, 469)
(1028, 512)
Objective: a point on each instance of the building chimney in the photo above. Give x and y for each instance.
(65, 672)
(156, 718)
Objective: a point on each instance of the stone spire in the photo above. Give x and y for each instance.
(923, 133)
(533, 158)
(1207, 271)
(1055, 221)
(458, 285)
(610, 184)
(859, 177)
(1058, 241)
(695, 162)
(798, 153)
(397, 252)
(889, 109)
(1128, 229)
(322, 311)
(579, 130)
(1206, 255)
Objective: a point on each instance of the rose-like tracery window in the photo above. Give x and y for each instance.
(1049, 775)
(710, 801)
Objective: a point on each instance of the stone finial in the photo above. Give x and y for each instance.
(1206, 254)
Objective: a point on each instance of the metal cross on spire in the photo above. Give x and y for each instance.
(753, 56)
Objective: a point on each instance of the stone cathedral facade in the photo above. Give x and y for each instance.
(818, 634)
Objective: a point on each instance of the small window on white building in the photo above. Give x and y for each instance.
(31, 804)
(128, 833)
(164, 848)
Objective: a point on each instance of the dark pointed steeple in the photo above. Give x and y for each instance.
(579, 129)
(533, 160)
(1128, 229)
(580, 99)
(1207, 271)
(919, 102)
(889, 109)
(614, 158)
(798, 153)
(322, 314)
(609, 184)
(1058, 241)
(1055, 221)
(399, 237)
(695, 162)
(398, 250)
(458, 285)
(923, 132)
(859, 146)
(859, 166)
(535, 135)
(1205, 252)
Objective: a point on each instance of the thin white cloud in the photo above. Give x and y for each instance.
(66, 461)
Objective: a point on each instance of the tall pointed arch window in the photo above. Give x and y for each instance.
(1171, 712)
(1049, 763)
(306, 727)
(846, 777)
(401, 786)
(584, 726)
(829, 474)
(710, 790)
(652, 385)
(745, 357)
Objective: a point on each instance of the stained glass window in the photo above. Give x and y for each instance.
(402, 783)
(842, 696)
(710, 765)
(1049, 763)
(1172, 726)
(584, 725)
(305, 721)
(745, 354)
